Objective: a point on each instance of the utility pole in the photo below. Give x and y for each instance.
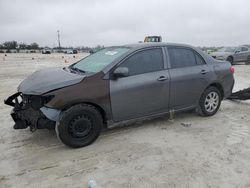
(58, 37)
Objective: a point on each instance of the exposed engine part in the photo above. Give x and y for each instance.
(20, 124)
(27, 113)
(21, 101)
(44, 123)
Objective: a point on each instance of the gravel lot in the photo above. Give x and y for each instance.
(188, 151)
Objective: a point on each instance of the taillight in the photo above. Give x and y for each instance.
(231, 70)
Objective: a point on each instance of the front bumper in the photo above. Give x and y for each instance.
(25, 115)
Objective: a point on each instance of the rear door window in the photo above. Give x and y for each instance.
(182, 57)
(244, 49)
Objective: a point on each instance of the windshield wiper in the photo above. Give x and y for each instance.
(76, 70)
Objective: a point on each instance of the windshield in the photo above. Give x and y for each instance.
(227, 49)
(99, 60)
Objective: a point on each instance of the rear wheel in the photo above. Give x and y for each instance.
(79, 126)
(209, 102)
(230, 59)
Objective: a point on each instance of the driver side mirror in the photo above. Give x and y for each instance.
(120, 72)
(237, 51)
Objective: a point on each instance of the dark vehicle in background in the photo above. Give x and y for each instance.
(120, 84)
(233, 54)
(75, 51)
(94, 50)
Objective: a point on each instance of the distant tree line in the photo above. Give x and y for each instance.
(14, 45)
(212, 48)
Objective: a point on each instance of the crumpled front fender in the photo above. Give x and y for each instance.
(50, 113)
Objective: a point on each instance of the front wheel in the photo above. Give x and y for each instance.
(79, 126)
(209, 102)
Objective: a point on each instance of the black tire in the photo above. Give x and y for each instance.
(248, 60)
(207, 107)
(230, 59)
(79, 126)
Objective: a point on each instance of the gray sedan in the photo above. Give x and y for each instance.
(120, 84)
(233, 54)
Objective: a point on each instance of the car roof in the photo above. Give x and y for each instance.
(138, 46)
(248, 46)
(151, 44)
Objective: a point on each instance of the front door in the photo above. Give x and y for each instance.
(145, 91)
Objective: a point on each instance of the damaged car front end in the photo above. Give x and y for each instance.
(29, 111)
(33, 94)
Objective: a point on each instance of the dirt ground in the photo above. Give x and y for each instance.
(188, 151)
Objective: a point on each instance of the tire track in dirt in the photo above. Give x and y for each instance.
(238, 134)
(239, 131)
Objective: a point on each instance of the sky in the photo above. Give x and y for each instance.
(115, 22)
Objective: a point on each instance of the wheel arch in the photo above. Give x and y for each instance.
(101, 110)
(230, 56)
(98, 107)
(218, 86)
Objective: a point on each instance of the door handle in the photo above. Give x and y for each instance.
(204, 71)
(162, 78)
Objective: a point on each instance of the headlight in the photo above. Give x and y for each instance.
(36, 101)
(47, 98)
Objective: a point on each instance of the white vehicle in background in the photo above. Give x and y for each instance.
(70, 51)
(46, 51)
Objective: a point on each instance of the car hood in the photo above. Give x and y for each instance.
(45, 80)
(221, 53)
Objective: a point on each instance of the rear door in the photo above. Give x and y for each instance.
(244, 53)
(189, 74)
(145, 91)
